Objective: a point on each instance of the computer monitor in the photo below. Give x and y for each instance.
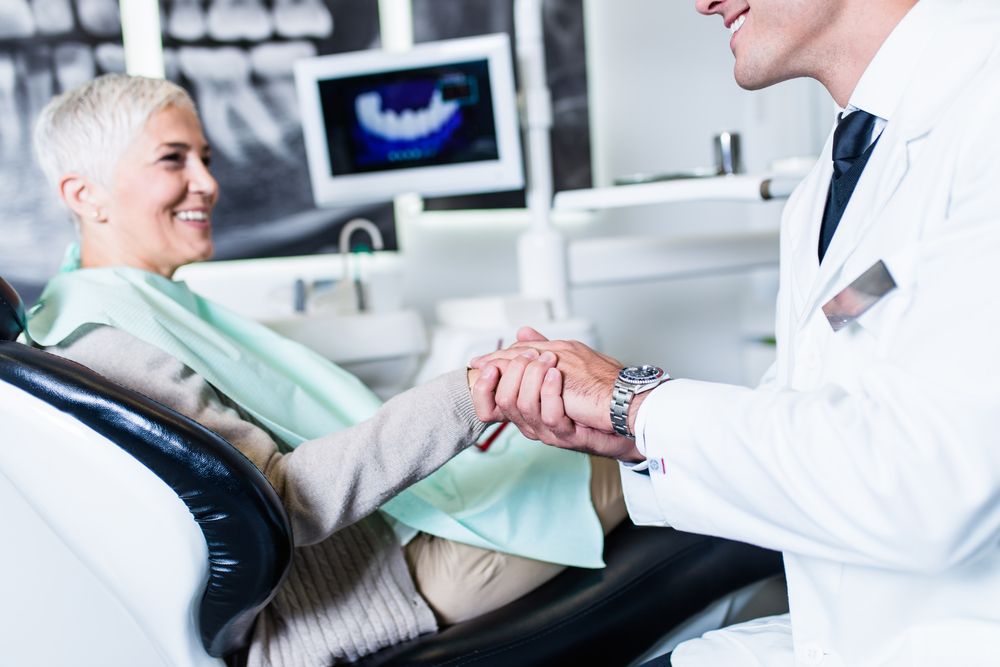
(439, 119)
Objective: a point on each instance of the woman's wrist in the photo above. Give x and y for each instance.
(471, 375)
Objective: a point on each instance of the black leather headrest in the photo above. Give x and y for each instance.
(244, 523)
(11, 312)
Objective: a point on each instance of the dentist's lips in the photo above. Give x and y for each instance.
(738, 22)
(735, 25)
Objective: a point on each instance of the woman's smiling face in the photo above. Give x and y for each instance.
(159, 206)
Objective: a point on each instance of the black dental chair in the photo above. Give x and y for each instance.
(131, 534)
(134, 536)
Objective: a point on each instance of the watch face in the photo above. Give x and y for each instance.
(640, 374)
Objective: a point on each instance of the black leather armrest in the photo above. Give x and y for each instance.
(656, 578)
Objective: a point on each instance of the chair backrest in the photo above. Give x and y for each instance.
(135, 532)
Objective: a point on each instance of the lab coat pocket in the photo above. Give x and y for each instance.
(881, 318)
(880, 322)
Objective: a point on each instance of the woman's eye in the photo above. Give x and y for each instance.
(176, 158)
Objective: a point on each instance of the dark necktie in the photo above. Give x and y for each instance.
(850, 155)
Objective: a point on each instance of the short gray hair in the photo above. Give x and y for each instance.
(87, 130)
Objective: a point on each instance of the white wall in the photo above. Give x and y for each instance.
(661, 85)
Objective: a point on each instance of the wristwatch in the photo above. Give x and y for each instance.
(632, 380)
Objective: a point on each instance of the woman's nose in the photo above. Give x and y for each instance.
(201, 180)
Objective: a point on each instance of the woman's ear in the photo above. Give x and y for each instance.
(84, 197)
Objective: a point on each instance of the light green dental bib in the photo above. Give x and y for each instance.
(519, 497)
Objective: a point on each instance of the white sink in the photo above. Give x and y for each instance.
(382, 348)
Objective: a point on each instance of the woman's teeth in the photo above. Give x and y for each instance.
(192, 216)
(738, 23)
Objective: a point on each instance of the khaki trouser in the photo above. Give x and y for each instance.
(460, 582)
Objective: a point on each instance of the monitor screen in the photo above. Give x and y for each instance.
(440, 119)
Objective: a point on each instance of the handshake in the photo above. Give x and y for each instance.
(558, 392)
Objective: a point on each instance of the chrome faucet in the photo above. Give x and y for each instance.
(363, 224)
(375, 235)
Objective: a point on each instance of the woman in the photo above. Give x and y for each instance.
(129, 159)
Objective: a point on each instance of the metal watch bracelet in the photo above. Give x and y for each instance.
(631, 380)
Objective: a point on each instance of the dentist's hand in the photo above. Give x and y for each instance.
(587, 377)
(528, 392)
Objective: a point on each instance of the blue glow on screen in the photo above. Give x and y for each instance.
(389, 132)
(409, 118)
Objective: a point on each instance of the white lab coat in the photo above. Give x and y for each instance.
(869, 456)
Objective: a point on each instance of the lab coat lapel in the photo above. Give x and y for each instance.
(944, 69)
(888, 165)
(802, 217)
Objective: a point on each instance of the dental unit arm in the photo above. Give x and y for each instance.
(541, 251)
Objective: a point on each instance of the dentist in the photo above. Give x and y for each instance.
(868, 454)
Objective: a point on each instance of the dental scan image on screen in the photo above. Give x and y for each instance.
(439, 119)
(416, 118)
